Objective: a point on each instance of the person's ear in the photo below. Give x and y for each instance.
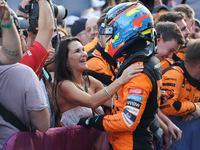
(193, 22)
(159, 37)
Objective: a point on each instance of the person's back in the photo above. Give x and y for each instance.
(135, 103)
(181, 83)
(21, 94)
(100, 64)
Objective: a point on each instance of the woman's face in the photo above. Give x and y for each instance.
(77, 57)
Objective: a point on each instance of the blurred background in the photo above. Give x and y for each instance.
(75, 7)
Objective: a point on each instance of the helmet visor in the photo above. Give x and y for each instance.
(105, 30)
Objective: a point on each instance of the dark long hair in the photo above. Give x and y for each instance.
(62, 71)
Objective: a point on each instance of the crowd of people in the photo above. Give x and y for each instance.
(123, 71)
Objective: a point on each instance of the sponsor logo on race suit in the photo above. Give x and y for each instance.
(132, 110)
(134, 104)
(135, 91)
(135, 98)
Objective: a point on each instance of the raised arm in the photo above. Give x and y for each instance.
(39, 50)
(10, 51)
(45, 24)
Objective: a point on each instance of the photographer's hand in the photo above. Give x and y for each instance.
(10, 52)
(30, 39)
(23, 4)
(51, 51)
(5, 13)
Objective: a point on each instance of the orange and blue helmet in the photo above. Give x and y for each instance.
(127, 23)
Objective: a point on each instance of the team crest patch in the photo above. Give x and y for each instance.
(137, 98)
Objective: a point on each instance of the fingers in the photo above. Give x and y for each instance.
(183, 117)
(173, 135)
(131, 72)
(163, 146)
(187, 117)
(135, 75)
(3, 4)
(178, 136)
(135, 68)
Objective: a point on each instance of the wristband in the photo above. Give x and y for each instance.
(106, 92)
(7, 25)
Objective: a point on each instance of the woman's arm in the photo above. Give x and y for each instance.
(70, 92)
(172, 128)
(167, 141)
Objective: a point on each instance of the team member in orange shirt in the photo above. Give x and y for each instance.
(183, 80)
(178, 18)
(100, 64)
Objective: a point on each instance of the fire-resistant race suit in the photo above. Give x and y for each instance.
(181, 55)
(167, 62)
(186, 90)
(101, 65)
(135, 106)
(90, 45)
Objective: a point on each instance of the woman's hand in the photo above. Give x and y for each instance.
(167, 141)
(175, 132)
(130, 72)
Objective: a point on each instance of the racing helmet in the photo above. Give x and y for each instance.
(126, 23)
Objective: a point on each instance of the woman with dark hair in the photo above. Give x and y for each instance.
(76, 92)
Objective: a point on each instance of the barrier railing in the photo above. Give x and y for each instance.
(190, 134)
(61, 138)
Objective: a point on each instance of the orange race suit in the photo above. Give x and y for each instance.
(167, 62)
(135, 106)
(90, 45)
(186, 90)
(101, 65)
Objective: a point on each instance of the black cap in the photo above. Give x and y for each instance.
(78, 26)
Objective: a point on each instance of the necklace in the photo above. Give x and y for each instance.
(94, 111)
(86, 88)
